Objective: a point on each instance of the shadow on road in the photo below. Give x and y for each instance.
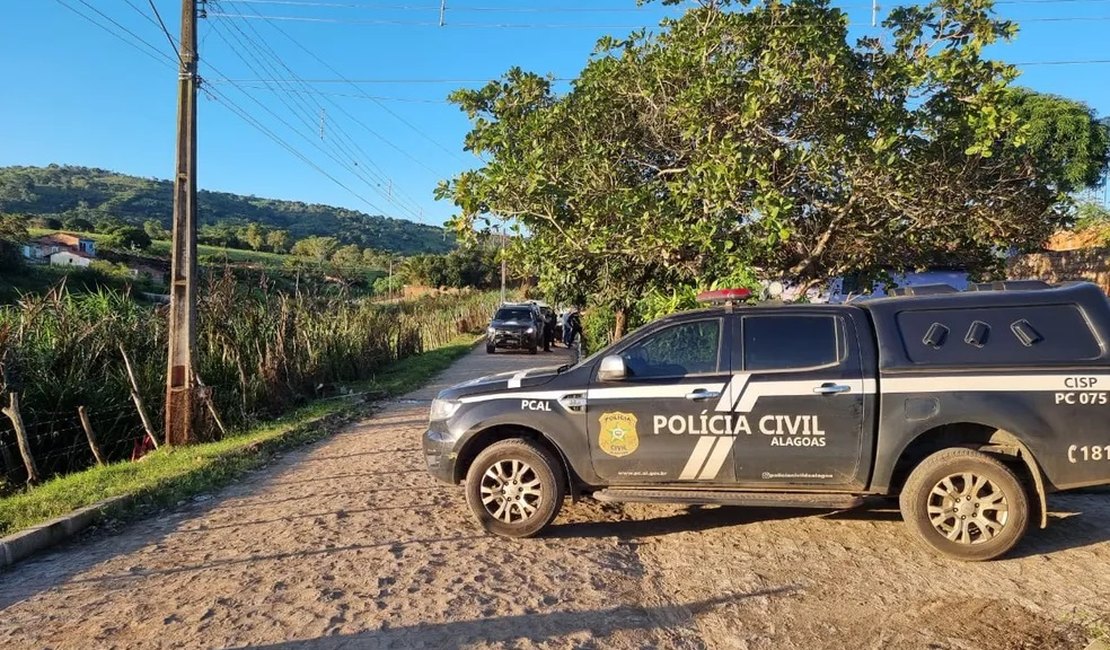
(692, 518)
(533, 628)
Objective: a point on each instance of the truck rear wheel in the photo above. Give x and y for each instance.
(515, 488)
(965, 504)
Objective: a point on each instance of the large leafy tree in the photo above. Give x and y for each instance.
(761, 136)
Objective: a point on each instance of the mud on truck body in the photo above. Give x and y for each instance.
(970, 407)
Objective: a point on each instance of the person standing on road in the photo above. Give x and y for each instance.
(572, 327)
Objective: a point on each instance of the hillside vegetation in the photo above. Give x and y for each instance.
(62, 191)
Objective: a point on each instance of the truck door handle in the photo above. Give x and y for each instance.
(702, 394)
(831, 389)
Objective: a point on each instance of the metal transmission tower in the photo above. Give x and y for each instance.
(181, 382)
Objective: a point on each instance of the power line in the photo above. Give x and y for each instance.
(165, 31)
(382, 98)
(341, 148)
(419, 23)
(246, 117)
(385, 108)
(383, 177)
(385, 81)
(1074, 62)
(152, 51)
(387, 7)
(309, 139)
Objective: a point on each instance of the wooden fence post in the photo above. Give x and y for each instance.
(12, 411)
(87, 426)
(206, 396)
(137, 398)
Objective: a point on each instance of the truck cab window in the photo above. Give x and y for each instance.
(683, 349)
(786, 342)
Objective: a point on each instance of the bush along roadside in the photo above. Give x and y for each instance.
(262, 351)
(167, 476)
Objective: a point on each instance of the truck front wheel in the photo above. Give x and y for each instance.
(965, 504)
(515, 488)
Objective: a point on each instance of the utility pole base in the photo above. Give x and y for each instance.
(180, 416)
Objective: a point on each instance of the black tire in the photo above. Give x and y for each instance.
(954, 527)
(490, 349)
(542, 466)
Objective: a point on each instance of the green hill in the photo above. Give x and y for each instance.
(62, 191)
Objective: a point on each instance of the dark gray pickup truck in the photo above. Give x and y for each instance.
(970, 406)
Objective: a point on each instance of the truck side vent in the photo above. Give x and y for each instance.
(936, 336)
(1026, 333)
(978, 334)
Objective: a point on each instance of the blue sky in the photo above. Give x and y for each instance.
(75, 94)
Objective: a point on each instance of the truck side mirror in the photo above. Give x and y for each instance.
(612, 368)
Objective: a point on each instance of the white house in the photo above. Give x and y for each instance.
(41, 249)
(70, 258)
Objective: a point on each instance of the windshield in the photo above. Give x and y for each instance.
(513, 314)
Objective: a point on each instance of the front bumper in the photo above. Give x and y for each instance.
(439, 452)
(509, 339)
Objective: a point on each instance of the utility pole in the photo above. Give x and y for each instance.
(389, 286)
(180, 375)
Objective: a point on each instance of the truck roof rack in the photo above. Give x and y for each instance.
(1010, 285)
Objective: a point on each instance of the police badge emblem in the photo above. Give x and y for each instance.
(618, 434)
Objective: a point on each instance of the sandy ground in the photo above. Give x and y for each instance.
(349, 543)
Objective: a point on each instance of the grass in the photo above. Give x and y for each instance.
(169, 475)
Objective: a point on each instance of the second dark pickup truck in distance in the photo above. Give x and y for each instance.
(518, 327)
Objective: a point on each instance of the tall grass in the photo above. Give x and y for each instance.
(262, 351)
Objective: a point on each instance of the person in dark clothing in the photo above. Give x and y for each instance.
(572, 328)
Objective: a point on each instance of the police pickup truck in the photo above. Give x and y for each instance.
(970, 406)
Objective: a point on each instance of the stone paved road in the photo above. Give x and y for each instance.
(348, 543)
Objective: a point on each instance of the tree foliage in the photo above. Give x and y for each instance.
(761, 137)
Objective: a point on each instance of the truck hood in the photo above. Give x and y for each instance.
(506, 381)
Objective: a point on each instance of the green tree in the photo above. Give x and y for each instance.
(13, 233)
(254, 235)
(79, 224)
(675, 160)
(155, 230)
(320, 248)
(127, 238)
(278, 241)
(349, 255)
(1069, 144)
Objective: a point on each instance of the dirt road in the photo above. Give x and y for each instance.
(349, 543)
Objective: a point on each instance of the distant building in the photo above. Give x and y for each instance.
(42, 249)
(71, 258)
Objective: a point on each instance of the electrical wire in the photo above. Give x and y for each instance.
(153, 52)
(385, 108)
(382, 178)
(338, 148)
(162, 24)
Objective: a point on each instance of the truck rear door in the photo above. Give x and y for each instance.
(804, 398)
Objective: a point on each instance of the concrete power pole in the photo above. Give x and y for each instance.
(180, 376)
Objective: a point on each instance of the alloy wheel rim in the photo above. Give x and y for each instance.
(968, 508)
(510, 491)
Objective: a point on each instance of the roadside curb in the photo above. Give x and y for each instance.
(29, 541)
